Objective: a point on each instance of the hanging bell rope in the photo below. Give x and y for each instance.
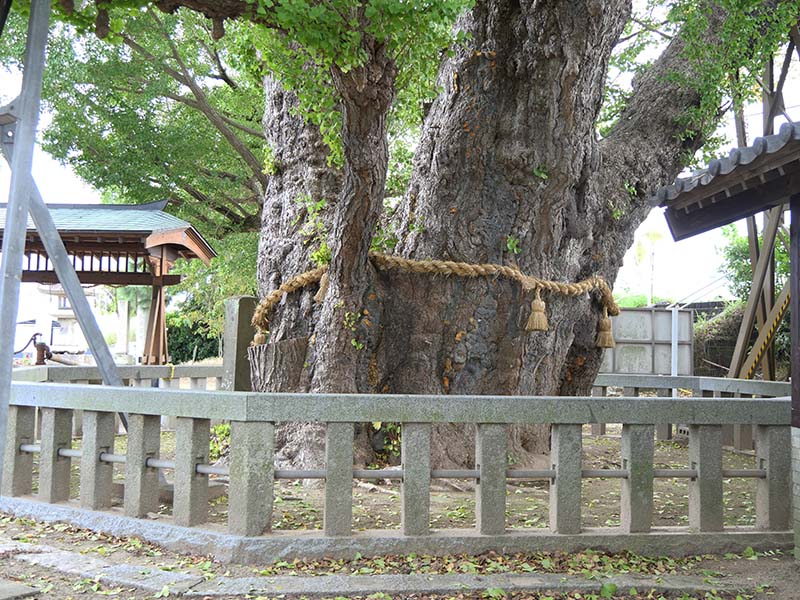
(536, 322)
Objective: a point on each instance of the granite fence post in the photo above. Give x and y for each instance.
(416, 487)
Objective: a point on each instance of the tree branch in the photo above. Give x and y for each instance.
(185, 77)
(223, 72)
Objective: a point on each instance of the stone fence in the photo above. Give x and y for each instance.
(251, 474)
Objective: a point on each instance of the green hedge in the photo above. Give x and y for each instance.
(182, 339)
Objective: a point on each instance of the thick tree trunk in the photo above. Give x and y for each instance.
(318, 347)
(366, 94)
(301, 170)
(508, 158)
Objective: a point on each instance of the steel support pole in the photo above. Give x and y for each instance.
(794, 305)
(68, 278)
(674, 346)
(19, 195)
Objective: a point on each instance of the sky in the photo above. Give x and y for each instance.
(676, 270)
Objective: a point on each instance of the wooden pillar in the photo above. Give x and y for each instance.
(155, 345)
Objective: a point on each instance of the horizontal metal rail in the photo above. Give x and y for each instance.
(751, 473)
(156, 463)
(675, 473)
(212, 470)
(113, 458)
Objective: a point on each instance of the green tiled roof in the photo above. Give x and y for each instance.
(132, 218)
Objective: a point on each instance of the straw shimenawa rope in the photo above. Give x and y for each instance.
(385, 262)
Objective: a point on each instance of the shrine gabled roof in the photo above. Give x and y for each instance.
(120, 218)
(148, 222)
(749, 180)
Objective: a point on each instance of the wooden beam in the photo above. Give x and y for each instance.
(113, 248)
(748, 320)
(102, 278)
(738, 206)
(766, 335)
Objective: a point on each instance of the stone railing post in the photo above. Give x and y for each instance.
(664, 430)
(796, 489)
(416, 485)
(77, 416)
(490, 493)
(96, 476)
(599, 428)
(773, 494)
(141, 481)
(565, 488)
(190, 501)
(338, 516)
(169, 383)
(636, 509)
(54, 470)
(705, 491)
(238, 333)
(18, 466)
(251, 477)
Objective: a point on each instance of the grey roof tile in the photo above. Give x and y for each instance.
(726, 165)
(134, 218)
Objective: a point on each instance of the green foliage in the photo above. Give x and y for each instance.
(313, 228)
(750, 33)
(723, 72)
(392, 436)
(270, 167)
(205, 287)
(512, 244)
(637, 301)
(302, 44)
(736, 263)
(130, 124)
(541, 172)
(737, 270)
(189, 341)
(220, 441)
(401, 155)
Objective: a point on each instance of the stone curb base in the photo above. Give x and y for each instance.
(149, 579)
(667, 541)
(10, 590)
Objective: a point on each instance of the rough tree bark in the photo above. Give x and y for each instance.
(301, 170)
(508, 149)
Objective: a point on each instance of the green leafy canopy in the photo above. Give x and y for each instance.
(310, 39)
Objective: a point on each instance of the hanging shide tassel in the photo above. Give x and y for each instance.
(259, 339)
(537, 321)
(319, 297)
(605, 338)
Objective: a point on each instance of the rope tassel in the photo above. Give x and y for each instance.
(319, 297)
(537, 321)
(259, 339)
(605, 338)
